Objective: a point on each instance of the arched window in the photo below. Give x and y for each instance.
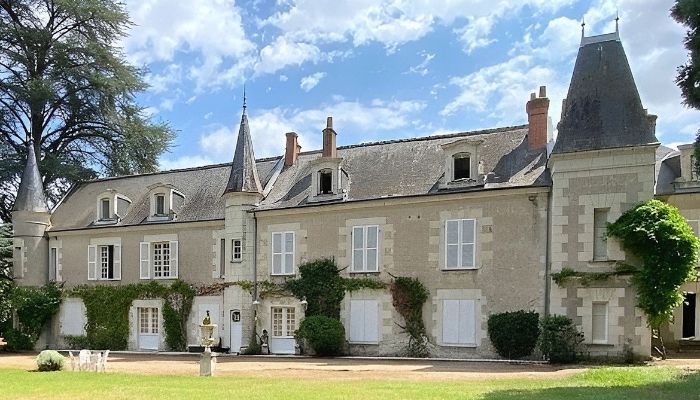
(461, 166)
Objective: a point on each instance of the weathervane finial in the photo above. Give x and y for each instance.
(244, 99)
(617, 20)
(583, 26)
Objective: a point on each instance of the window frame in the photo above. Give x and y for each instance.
(53, 263)
(606, 322)
(162, 265)
(152, 319)
(602, 247)
(328, 173)
(283, 253)
(108, 202)
(284, 319)
(460, 243)
(236, 255)
(364, 249)
(159, 200)
(461, 156)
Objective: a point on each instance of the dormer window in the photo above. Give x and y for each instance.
(325, 180)
(165, 202)
(462, 166)
(110, 207)
(105, 209)
(160, 204)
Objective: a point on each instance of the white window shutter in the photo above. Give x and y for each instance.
(356, 320)
(92, 262)
(117, 259)
(173, 259)
(145, 265)
(450, 321)
(371, 331)
(467, 322)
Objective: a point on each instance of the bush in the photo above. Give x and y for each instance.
(78, 342)
(17, 341)
(325, 335)
(514, 334)
(50, 360)
(560, 341)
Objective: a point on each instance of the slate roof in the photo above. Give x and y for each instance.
(244, 174)
(668, 168)
(602, 108)
(30, 195)
(406, 167)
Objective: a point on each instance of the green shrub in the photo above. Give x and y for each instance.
(560, 341)
(17, 340)
(325, 335)
(254, 347)
(78, 342)
(514, 334)
(50, 360)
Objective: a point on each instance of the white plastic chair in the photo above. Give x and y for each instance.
(73, 361)
(84, 360)
(103, 363)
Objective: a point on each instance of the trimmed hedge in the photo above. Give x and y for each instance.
(514, 334)
(325, 335)
(560, 341)
(50, 360)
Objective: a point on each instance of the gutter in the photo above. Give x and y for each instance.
(548, 256)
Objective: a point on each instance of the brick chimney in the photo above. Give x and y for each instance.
(329, 147)
(537, 131)
(292, 149)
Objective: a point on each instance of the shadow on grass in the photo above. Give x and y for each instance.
(686, 387)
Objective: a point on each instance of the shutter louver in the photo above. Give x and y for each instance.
(92, 262)
(117, 262)
(174, 262)
(145, 264)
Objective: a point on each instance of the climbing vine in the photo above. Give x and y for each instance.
(587, 278)
(34, 308)
(408, 296)
(107, 311)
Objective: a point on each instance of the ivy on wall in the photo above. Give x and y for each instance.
(34, 308)
(585, 278)
(107, 311)
(408, 296)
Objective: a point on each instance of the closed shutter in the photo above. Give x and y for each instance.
(450, 321)
(173, 260)
(53, 261)
(145, 265)
(371, 331)
(599, 322)
(92, 262)
(459, 322)
(117, 262)
(467, 320)
(357, 310)
(363, 327)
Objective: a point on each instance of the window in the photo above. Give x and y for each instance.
(462, 166)
(148, 320)
(222, 258)
(104, 209)
(460, 239)
(600, 244)
(365, 243)
(53, 263)
(283, 321)
(325, 181)
(364, 315)
(459, 322)
(237, 250)
(160, 204)
(693, 173)
(283, 253)
(18, 268)
(104, 262)
(599, 323)
(161, 260)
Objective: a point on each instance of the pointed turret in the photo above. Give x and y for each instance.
(30, 196)
(244, 173)
(603, 108)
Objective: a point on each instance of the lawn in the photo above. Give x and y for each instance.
(604, 383)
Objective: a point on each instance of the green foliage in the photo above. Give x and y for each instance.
(514, 334)
(587, 278)
(34, 308)
(321, 285)
(325, 335)
(354, 284)
(408, 297)
(560, 341)
(66, 85)
(661, 238)
(254, 347)
(107, 310)
(77, 342)
(687, 13)
(6, 282)
(50, 360)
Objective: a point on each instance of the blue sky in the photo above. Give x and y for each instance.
(383, 69)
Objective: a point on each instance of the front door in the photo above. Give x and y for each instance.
(283, 327)
(149, 328)
(236, 331)
(689, 306)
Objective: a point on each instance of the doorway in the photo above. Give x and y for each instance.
(236, 331)
(149, 328)
(283, 326)
(689, 308)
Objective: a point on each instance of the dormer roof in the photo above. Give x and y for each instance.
(30, 196)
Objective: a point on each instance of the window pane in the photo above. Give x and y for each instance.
(467, 231)
(276, 242)
(467, 255)
(291, 321)
(599, 322)
(289, 242)
(357, 237)
(372, 237)
(325, 182)
(288, 263)
(160, 204)
(600, 246)
(105, 209)
(452, 256)
(276, 321)
(357, 260)
(371, 259)
(452, 234)
(277, 264)
(461, 167)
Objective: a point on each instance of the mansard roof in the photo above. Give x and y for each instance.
(602, 108)
(30, 196)
(398, 168)
(244, 174)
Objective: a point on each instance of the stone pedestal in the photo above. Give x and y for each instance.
(207, 364)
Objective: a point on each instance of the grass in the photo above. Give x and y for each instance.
(634, 383)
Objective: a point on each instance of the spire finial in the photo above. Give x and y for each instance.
(617, 20)
(583, 26)
(244, 99)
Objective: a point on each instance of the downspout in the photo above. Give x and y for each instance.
(547, 255)
(255, 276)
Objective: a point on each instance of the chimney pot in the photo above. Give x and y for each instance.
(292, 149)
(533, 96)
(543, 91)
(329, 122)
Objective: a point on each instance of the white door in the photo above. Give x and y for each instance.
(283, 327)
(236, 331)
(149, 328)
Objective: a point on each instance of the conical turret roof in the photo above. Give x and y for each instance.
(30, 196)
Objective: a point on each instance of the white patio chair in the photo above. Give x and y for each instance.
(84, 360)
(74, 362)
(95, 361)
(103, 363)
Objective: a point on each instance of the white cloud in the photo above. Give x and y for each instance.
(422, 68)
(219, 141)
(476, 33)
(159, 83)
(309, 82)
(283, 78)
(283, 52)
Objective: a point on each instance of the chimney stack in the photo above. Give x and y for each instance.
(537, 119)
(292, 149)
(329, 147)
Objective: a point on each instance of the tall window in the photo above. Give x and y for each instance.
(460, 239)
(283, 321)
(18, 267)
(363, 326)
(600, 243)
(106, 262)
(53, 263)
(461, 166)
(160, 204)
(693, 173)
(282, 253)
(237, 250)
(161, 260)
(222, 258)
(599, 323)
(148, 320)
(459, 322)
(365, 242)
(325, 181)
(104, 209)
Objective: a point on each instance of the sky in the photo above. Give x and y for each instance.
(383, 70)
